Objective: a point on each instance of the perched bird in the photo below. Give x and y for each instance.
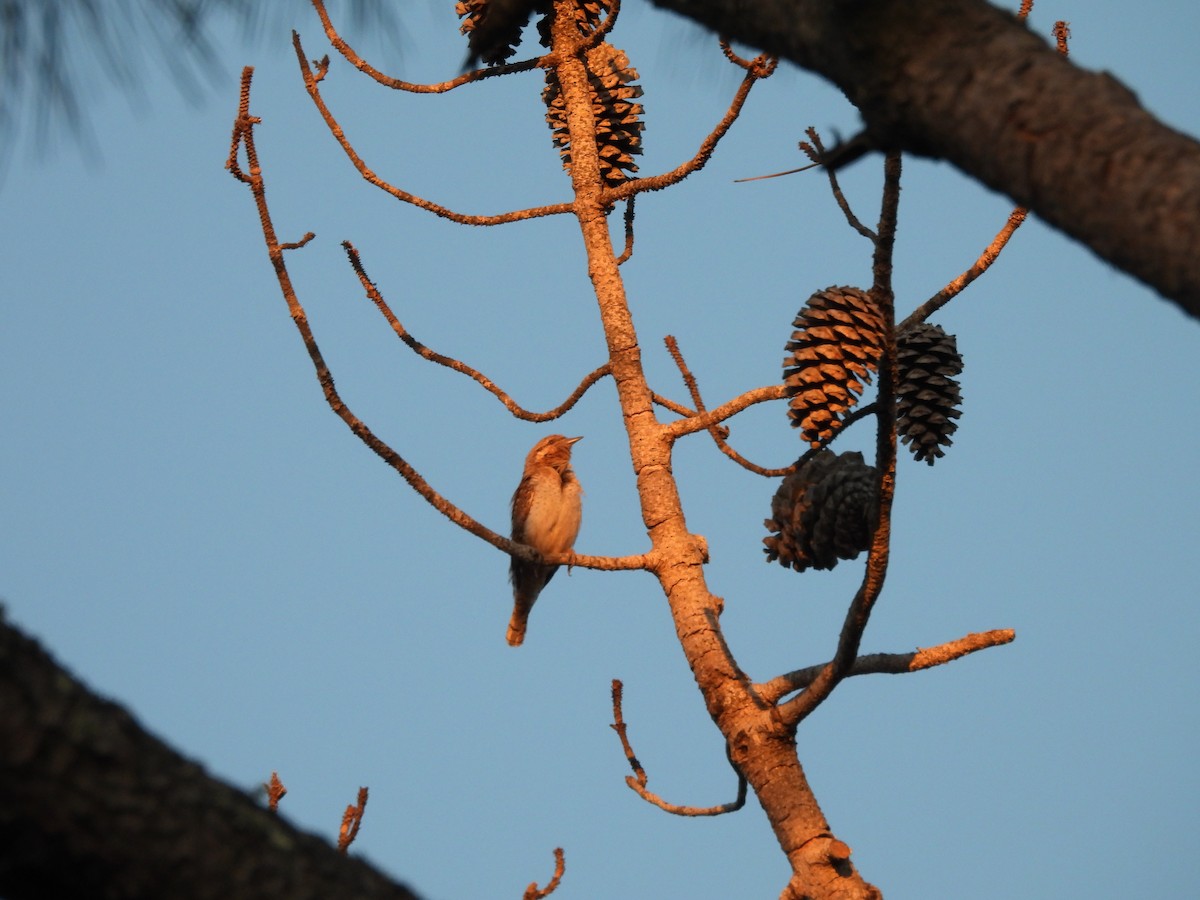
(546, 510)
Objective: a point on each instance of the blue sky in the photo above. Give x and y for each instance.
(191, 531)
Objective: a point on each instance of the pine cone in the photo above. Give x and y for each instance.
(837, 344)
(928, 395)
(618, 126)
(493, 27)
(823, 512)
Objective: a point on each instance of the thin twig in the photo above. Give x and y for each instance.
(715, 431)
(432, 356)
(859, 612)
(763, 67)
(314, 92)
(981, 265)
(816, 153)
(398, 84)
(351, 820)
(637, 781)
(533, 892)
(889, 663)
(702, 420)
(628, 251)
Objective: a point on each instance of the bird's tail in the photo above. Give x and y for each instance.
(520, 616)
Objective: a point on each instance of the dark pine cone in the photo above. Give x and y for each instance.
(927, 395)
(823, 512)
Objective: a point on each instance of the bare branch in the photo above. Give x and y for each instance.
(955, 287)
(533, 892)
(637, 781)
(817, 154)
(718, 433)
(310, 84)
(398, 84)
(701, 420)
(432, 356)
(244, 137)
(628, 251)
(889, 663)
(763, 67)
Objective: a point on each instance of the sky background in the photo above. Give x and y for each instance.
(192, 532)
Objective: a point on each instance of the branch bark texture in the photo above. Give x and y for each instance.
(92, 805)
(963, 81)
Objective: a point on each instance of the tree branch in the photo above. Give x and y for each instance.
(311, 81)
(963, 81)
(638, 780)
(486, 383)
(889, 663)
(91, 804)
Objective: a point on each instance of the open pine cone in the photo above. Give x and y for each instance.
(837, 344)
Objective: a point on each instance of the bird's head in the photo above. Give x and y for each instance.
(553, 450)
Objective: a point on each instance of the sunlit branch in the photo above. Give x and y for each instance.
(311, 81)
(339, 43)
(764, 66)
(638, 780)
(889, 663)
(955, 287)
(432, 356)
(717, 432)
(533, 892)
(244, 138)
(703, 420)
(351, 820)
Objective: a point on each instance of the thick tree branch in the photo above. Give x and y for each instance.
(91, 805)
(963, 81)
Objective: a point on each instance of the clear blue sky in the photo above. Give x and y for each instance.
(189, 528)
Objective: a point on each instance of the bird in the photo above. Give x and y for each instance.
(546, 510)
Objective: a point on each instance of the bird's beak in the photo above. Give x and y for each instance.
(574, 440)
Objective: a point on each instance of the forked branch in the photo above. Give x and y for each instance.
(718, 433)
(889, 663)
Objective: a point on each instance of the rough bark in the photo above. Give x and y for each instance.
(963, 81)
(91, 805)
